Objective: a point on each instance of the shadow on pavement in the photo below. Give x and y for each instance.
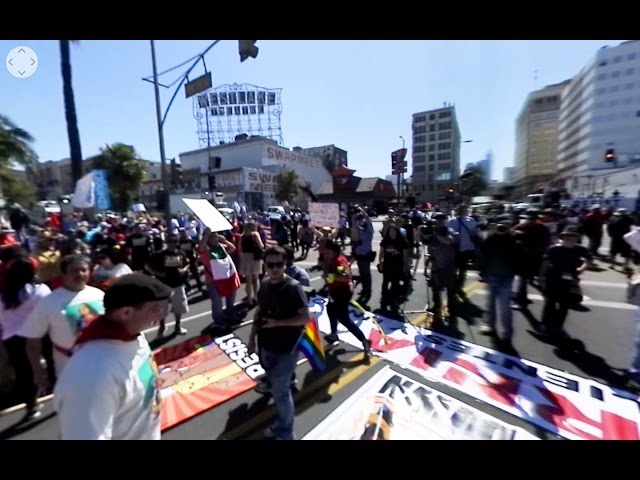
(573, 350)
(24, 426)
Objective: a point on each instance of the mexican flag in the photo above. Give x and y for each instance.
(220, 270)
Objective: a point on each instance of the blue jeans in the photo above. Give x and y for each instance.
(500, 297)
(217, 312)
(280, 368)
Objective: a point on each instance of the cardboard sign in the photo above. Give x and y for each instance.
(207, 214)
(324, 214)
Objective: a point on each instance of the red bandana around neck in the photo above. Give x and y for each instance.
(104, 329)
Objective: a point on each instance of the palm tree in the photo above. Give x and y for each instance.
(70, 111)
(15, 144)
(15, 148)
(125, 171)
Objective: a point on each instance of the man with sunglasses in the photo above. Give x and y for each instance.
(280, 317)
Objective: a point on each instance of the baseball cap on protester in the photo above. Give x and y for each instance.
(135, 289)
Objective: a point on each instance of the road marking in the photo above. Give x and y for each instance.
(305, 395)
(587, 302)
(424, 319)
(207, 312)
(595, 283)
(21, 406)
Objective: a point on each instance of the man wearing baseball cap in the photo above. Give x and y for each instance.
(107, 390)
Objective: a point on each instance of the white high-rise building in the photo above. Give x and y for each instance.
(600, 109)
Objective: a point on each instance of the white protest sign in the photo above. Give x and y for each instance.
(324, 214)
(139, 207)
(208, 214)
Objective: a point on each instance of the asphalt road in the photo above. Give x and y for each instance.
(601, 348)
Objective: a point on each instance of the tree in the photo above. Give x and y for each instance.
(15, 149)
(15, 145)
(70, 111)
(287, 186)
(125, 171)
(472, 182)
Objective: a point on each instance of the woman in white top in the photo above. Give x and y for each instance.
(20, 294)
(109, 267)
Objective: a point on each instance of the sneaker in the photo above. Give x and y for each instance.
(271, 432)
(331, 338)
(33, 414)
(180, 331)
(487, 329)
(161, 331)
(263, 387)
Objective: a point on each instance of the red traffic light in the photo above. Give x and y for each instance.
(610, 155)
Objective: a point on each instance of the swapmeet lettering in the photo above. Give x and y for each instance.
(239, 353)
(285, 156)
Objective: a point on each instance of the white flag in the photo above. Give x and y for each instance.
(84, 195)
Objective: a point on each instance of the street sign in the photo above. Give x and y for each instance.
(198, 85)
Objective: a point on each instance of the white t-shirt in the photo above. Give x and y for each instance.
(11, 320)
(101, 274)
(108, 391)
(63, 314)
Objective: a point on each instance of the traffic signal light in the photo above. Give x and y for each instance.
(247, 48)
(450, 190)
(394, 161)
(610, 155)
(212, 183)
(214, 162)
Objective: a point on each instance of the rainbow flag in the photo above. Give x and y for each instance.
(310, 344)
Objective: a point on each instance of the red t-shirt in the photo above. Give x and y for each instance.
(340, 261)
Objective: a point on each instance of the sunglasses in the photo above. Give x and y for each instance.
(275, 264)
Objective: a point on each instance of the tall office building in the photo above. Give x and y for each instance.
(436, 152)
(601, 110)
(537, 137)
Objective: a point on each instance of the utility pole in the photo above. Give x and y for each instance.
(163, 159)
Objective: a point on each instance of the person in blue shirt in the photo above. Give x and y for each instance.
(294, 271)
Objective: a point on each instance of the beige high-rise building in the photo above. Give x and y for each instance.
(436, 153)
(537, 138)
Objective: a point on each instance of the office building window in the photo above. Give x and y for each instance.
(420, 119)
(602, 76)
(422, 129)
(445, 114)
(629, 71)
(432, 147)
(444, 126)
(443, 177)
(418, 169)
(615, 74)
(431, 167)
(432, 116)
(419, 159)
(617, 59)
(615, 88)
(419, 149)
(444, 135)
(539, 101)
(420, 139)
(432, 157)
(444, 156)
(631, 56)
(628, 86)
(432, 137)
(444, 167)
(432, 128)
(444, 146)
(638, 113)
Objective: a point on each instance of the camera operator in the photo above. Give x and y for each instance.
(363, 252)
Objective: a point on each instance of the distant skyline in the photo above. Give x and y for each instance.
(358, 95)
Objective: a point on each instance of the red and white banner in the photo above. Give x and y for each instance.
(565, 404)
(392, 406)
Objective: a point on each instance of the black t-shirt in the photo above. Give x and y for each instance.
(139, 244)
(102, 243)
(280, 301)
(168, 263)
(565, 260)
(188, 247)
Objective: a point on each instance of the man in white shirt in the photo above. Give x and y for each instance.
(108, 390)
(466, 229)
(65, 312)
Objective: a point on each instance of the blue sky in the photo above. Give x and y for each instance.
(358, 95)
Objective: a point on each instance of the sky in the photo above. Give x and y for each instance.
(358, 95)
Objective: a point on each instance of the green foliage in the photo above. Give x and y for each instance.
(125, 171)
(288, 188)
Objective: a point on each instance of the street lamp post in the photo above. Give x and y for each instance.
(163, 160)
